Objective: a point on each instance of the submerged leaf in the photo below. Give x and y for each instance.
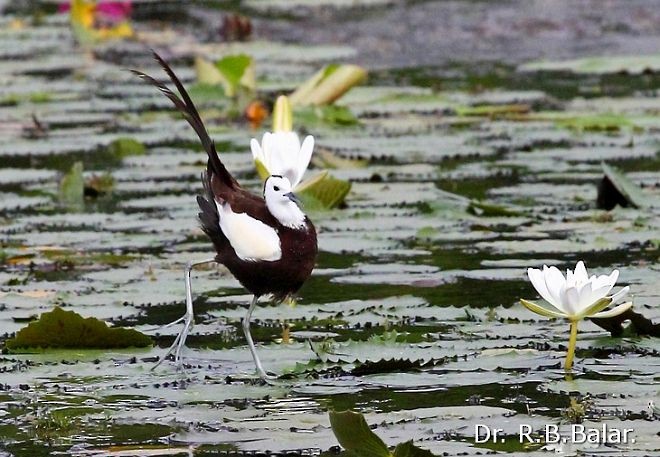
(67, 329)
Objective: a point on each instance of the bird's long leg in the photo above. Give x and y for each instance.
(253, 350)
(187, 318)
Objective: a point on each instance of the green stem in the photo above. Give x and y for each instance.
(571, 346)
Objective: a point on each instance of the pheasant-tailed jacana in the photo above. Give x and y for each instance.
(267, 243)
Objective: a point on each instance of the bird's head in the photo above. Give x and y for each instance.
(282, 202)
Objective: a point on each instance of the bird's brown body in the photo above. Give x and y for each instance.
(278, 278)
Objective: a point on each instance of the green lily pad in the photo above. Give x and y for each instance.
(324, 193)
(67, 329)
(334, 115)
(124, 147)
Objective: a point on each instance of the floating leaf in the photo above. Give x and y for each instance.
(492, 110)
(328, 114)
(328, 84)
(480, 208)
(124, 147)
(631, 64)
(67, 329)
(327, 159)
(354, 435)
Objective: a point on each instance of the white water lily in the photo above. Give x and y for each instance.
(282, 154)
(575, 297)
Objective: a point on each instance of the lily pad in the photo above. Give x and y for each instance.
(631, 64)
(66, 329)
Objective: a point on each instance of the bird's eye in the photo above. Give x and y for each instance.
(276, 189)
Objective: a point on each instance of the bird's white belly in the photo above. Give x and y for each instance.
(251, 239)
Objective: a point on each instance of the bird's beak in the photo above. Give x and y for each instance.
(291, 196)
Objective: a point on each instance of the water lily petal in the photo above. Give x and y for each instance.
(585, 293)
(599, 293)
(538, 309)
(305, 156)
(594, 308)
(538, 281)
(555, 283)
(614, 311)
(571, 300)
(280, 156)
(620, 294)
(606, 280)
(266, 147)
(257, 152)
(581, 275)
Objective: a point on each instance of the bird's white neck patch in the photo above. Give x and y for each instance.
(287, 213)
(282, 203)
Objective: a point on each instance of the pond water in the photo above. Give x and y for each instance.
(463, 175)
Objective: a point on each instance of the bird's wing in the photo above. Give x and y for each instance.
(243, 201)
(251, 239)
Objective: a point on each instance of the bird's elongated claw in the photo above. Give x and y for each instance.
(187, 319)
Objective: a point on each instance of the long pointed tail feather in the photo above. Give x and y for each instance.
(190, 113)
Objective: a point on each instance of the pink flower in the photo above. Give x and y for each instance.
(112, 11)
